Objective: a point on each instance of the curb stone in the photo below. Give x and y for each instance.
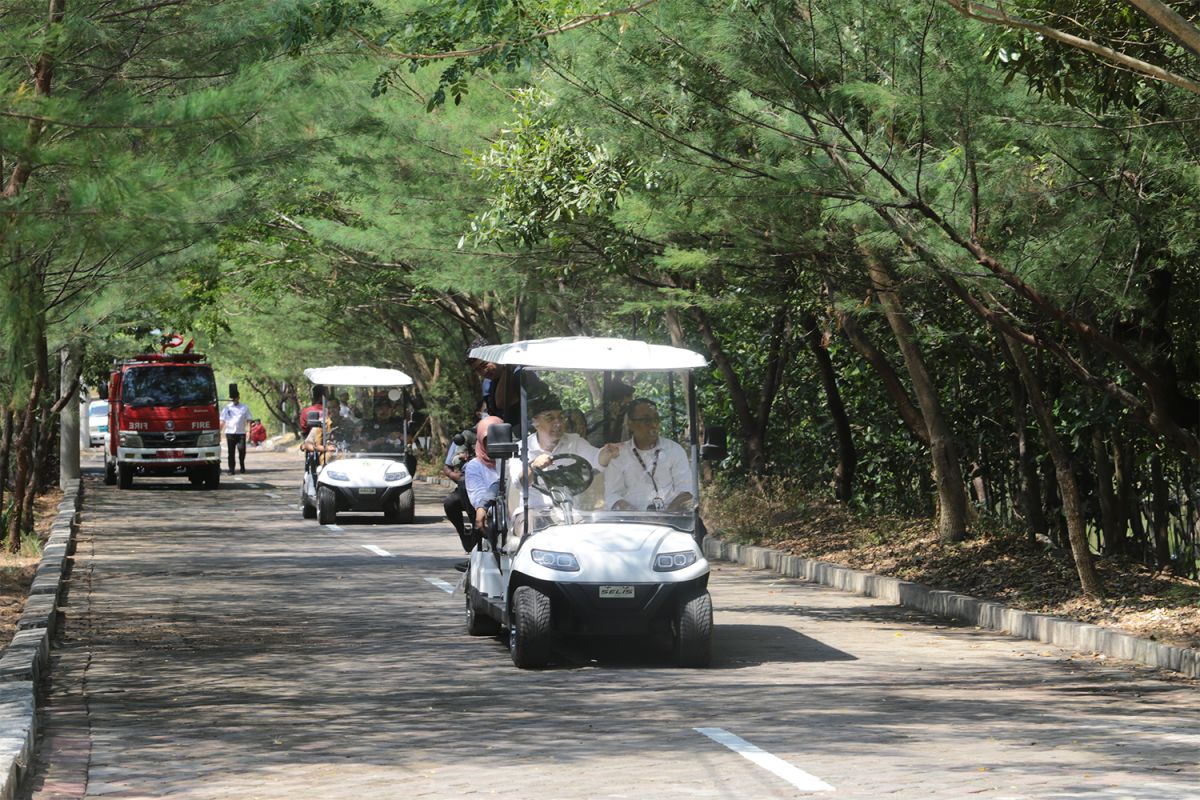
(26, 660)
(1079, 636)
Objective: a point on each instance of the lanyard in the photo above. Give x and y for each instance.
(653, 467)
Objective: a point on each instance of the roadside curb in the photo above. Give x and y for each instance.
(1079, 636)
(26, 661)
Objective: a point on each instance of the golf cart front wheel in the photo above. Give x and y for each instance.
(529, 634)
(326, 505)
(693, 632)
(402, 509)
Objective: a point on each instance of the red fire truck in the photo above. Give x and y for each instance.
(163, 420)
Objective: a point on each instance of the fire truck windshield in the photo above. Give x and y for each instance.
(168, 386)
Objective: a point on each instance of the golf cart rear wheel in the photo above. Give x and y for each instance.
(693, 632)
(479, 623)
(529, 633)
(326, 505)
(306, 508)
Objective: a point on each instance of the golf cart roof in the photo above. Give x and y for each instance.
(357, 376)
(590, 353)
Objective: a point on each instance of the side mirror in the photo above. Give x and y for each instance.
(102, 390)
(713, 447)
(500, 442)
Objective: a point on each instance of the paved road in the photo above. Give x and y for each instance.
(219, 646)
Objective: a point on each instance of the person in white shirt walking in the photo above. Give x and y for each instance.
(649, 472)
(235, 421)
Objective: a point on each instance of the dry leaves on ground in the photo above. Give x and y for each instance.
(17, 569)
(999, 565)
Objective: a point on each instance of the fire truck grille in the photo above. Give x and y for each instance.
(176, 440)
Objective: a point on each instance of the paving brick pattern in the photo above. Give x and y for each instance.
(219, 646)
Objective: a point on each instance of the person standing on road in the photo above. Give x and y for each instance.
(235, 421)
(456, 504)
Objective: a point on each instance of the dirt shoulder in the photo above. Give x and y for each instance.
(998, 565)
(17, 569)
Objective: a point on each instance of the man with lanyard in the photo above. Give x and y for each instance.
(649, 472)
(235, 421)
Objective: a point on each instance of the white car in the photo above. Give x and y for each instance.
(97, 422)
(368, 469)
(590, 551)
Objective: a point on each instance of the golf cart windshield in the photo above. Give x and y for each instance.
(360, 418)
(621, 441)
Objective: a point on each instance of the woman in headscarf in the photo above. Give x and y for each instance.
(481, 475)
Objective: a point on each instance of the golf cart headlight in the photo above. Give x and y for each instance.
(333, 474)
(396, 472)
(564, 562)
(130, 439)
(669, 562)
(209, 439)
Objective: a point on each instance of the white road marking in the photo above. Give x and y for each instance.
(379, 551)
(272, 495)
(237, 477)
(441, 584)
(793, 775)
(337, 528)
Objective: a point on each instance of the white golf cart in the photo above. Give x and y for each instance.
(368, 469)
(562, 552)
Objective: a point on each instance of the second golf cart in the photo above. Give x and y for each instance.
(362, 464)
(600, 536)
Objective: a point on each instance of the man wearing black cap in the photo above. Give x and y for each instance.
(550, 438)
(502, 385)
(235, 420)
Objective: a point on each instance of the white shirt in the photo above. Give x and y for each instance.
(235, 417)
(662, 471)
(569, 444)
(482, 482)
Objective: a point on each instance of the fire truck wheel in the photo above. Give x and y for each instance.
(195, 477)
(212, 477)
(124, 476)
(110, 473)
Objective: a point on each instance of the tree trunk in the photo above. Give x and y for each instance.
(1029, 493)
(1105, 495)
(891, 381)
(847, 456)
(1158, 512)
(1085, 567)
(23, 447)
(753, 426)
(947, 473)
(1123, 472)
(5, 450)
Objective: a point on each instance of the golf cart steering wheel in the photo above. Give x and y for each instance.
(567, 473)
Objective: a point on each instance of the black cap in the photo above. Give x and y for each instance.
(543, 403)
(479, 342)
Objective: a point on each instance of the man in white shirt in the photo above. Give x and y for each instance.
(648, 472)
(235, 421)
(549, 439)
